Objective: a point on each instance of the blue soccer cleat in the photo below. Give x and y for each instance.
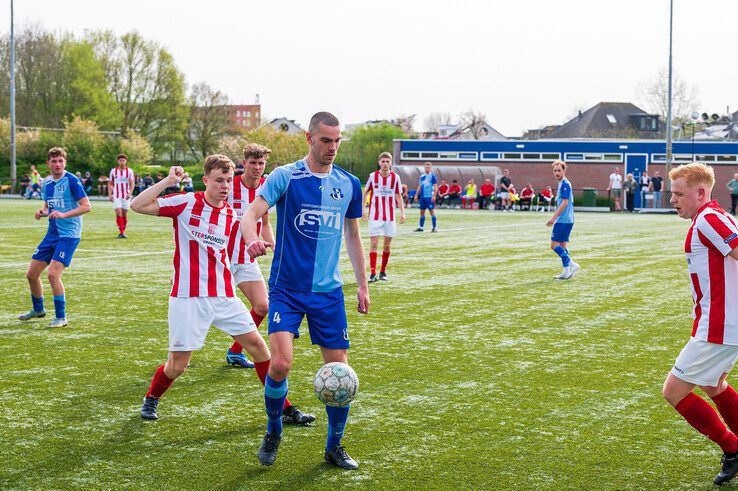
(238, 360)
(148, 409)
(31, 314)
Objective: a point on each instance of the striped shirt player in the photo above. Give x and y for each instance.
(384, 190)
(244, 267)
(120, 189)
(65, 202)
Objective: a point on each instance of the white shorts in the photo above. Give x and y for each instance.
(504, 195)
(703, 363)
(386, 228)
(190, 319)
(121, 203)
(246, 272)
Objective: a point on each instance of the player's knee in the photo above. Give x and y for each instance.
(280, 367)
(175, 370)
(261, 308)
(32, 275)
(54, 275)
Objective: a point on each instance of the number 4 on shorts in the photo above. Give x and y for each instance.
(276, 319)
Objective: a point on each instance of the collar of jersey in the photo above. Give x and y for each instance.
(205, 200)
(307, 169)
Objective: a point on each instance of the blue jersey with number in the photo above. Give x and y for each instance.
(426, 185)
(62, 195)
(564, 192)
(310, 215)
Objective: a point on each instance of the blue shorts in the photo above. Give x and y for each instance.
(326, 315)
(426, 204)
(56, 248)
(561, 232)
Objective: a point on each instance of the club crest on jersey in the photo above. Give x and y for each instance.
(337, 194)
(318, 224)
(212, 228)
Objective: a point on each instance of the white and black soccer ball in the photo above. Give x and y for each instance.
(336, 384)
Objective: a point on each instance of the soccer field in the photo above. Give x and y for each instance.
(477, 368)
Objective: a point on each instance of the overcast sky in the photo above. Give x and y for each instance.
(524, 63)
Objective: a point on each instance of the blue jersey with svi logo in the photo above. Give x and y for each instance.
(310, 215)
(62, 195)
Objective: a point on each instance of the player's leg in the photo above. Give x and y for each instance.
(55, 272)
(117, 208)
(124, 218)
(432, 211)
(33, 275)
(329, 330)
(373, 246)
(251, 283)
(386, 251)
(421, 220)
(165, 375)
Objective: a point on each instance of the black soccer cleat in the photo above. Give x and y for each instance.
(148, 410)
(729, 469)
(337, 456)
(268, 450)
(383, 276)
(372, 278)
(433, 230)
(293, 416)
(419, 229)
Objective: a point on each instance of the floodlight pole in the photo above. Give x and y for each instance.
(13, 174)
(668, 111)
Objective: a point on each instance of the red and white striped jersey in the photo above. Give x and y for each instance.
(240, 199)
(384, 189)
(713, 274)
(119, 179)
(201, 232)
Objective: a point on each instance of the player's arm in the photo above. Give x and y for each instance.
(365, 200)
(110, 186)
(267, 233)
(558, 212)
(355, 249)
(130, 187)
(255, 246)
(401, 206)
(435, 191)
(146, 203)
(43, 212)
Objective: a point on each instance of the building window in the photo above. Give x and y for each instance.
(248, 114)
(611, 119)
(429, 155)
(238, 113)
(490, 156)
(410, 155)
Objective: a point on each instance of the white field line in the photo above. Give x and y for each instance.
(94, 258)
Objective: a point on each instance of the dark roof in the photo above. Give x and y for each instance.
(606, 120)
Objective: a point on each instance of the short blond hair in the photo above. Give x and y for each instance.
(256, 151)
(217, 161)
(695, 174)
(559, 162)
(384, 155)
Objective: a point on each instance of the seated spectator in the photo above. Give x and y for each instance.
(88, 183)
(454, 192)
(24, 183)
(514, 197)
(526, 196)
(138, 183)
(158, 177)
(187, 183)
(470, 194)
(102, 185)
(442, 193)
(545, 199)
(486, 191)
(405, 196)
(148, 181)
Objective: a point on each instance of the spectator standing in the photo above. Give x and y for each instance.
(486, 191)
(505, 184)
(442, 192)
(615, 188)
(657, 183)
(526, 196)
(733, 186)
(645, 185)
(630, 187)
(35, 183)
(470, 194)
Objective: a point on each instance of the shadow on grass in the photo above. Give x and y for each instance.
(312, 478)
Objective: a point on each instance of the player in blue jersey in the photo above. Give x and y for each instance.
(65, 202)
(317, 202)
(426, 195)
(563, 221)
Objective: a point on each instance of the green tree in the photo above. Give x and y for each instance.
(82, 140)
(136, 148)
(285, 148)
(208, 120)
(361, 147)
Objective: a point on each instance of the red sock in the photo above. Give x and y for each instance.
(727, 406)
(117, 222)
(159, 384)
(124, 222)
(262, 368)
(373, 262)
(236, 347)
(257, 318)
(385, 260)
(705, 419)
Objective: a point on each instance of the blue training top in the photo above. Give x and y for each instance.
(310, 215)
(564, 192)
(62, 195)
(426, 185)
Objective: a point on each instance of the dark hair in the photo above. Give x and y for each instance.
(56, 152)
(217, 161)
(121, 156)
(322, 117)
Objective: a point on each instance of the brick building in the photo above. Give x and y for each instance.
(245, 116)
(589, 162)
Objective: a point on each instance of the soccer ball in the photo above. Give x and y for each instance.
(336, 384)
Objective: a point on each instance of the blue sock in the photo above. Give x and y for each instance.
(274, 395)
(422, 221)
(60, 306)
(337, 417)
(433, 219)
(38, 303)
(563, 254)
